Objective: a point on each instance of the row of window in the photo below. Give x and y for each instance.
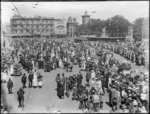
(31, 31)
(60, 31)
(32, 21)
(33, 26)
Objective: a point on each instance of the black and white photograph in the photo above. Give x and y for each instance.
(75, 57)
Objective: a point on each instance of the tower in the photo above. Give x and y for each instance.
(85, 18)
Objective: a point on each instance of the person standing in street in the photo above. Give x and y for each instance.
(57, 80)
(10, 86)
(35, 79)
(63, 80)
(39, 77)
(24, 80)
(20, 94)
(67, 87)
(88, 77)
(79, 78)
(30, 78)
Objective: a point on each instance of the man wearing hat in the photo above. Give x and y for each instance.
(23, 80)
(10, 86)
(57, 79)
(30, 78)
(88, 77)
(79, 78)
(20, 94)
(63, 80)
(67, 86)
(74, 93)
(60, 90)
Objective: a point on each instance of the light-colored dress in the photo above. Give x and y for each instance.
(11, 70)
(60, 63)
(99, 87)
(35, 81)
(4, 76)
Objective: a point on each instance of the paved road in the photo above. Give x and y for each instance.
(45, 99)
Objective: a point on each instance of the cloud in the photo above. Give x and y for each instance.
(129, 9)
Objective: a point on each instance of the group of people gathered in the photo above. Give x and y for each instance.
(103, 73)
(130, 51)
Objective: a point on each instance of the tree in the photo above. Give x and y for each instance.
(81, 29)
(137, 29)
(94, 27)
(117, 26)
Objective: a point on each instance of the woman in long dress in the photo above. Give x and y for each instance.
(60, 63)
(11, 70)
(35, 81)
(4, 76)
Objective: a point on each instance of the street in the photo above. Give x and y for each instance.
(45, 100)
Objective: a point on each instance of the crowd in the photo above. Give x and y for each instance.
(131, 51)
(127, 89)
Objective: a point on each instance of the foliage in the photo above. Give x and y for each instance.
(94, 27)
(137, 29)
(117, 26)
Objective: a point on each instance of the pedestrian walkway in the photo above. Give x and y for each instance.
(45, 100)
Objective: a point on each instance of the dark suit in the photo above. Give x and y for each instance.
(20, 94)
(30, 78)
(10, 86)
(23, 80)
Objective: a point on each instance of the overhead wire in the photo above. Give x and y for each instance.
(23, 20)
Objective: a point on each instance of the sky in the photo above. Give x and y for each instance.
(131, 10)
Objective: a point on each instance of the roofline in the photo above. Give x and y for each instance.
(85, 15)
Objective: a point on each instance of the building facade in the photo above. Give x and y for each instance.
(85, 18)
(71, 26)
(5, 35)
(60, 28)
(30, 27)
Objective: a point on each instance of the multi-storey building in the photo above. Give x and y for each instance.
(71, 26)
(30, 27)
(60, 28)
(5, 35)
